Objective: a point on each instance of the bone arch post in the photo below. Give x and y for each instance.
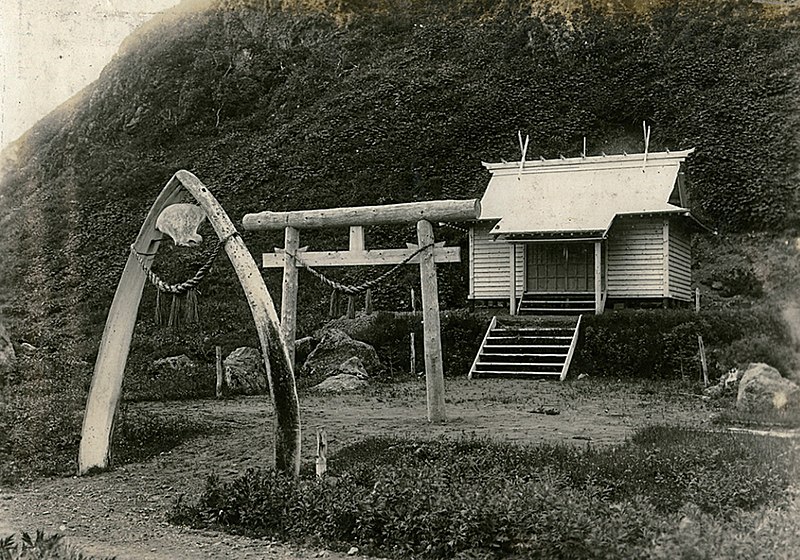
(109, 369)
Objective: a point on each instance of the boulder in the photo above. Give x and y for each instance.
(8, 358)
(336, 348)
(244, 372)
(762, 388)
(353, 366)
(341, 383)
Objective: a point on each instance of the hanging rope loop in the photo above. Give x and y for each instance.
(185, 286)
(361, 288)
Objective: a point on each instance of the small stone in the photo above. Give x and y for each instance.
(353, 551)
(62, 528)
(341, 383)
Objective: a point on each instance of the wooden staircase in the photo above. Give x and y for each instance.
(556, 303)
(527, 347)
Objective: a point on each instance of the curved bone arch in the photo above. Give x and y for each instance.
(109, 370)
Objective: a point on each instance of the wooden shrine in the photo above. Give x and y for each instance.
(426, 253)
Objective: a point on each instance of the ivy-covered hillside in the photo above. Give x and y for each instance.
(319, 104)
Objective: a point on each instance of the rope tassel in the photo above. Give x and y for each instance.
(183, 308)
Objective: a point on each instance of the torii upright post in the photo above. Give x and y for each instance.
(421, 213)
(434, 370)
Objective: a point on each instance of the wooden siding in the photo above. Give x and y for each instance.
(489, 270)
(636, 261)
(680, 263)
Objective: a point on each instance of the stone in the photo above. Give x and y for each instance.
(335, 348)
(340, 384)
(353, 366)
(8, 358)
(176, 363)
(762, 388)
(244, 372)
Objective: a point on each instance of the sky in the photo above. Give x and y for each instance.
(50, 49)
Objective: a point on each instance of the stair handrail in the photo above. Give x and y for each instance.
(571, 350)
(492, 325)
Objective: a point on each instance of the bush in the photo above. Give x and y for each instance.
(39, 547)
(443, 498)
(663, 343)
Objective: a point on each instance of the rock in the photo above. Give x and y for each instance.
(353, 366)
(762, 388)
(353, 551)
(8, 358)
(335, 348)
(341, 383)
(244, 372)
(176, 363)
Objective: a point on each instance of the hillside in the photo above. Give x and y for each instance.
(301, 108)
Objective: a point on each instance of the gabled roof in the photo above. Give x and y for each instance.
(581, 194)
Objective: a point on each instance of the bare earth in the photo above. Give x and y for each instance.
(123, 512)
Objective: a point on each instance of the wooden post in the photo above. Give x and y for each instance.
(512, 289)
(413, 301)
(703, 362)
(413, 360)
(697, 300)
(220, 378)
(333, 310)
(289, 296)
(368, 302)
(322, 453)
(351, 307)
(434, 370)
(598, 278)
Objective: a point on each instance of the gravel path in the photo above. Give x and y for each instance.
(123, 512)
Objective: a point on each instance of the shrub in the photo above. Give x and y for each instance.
(39, 547)
(443, 498)
(663, 343)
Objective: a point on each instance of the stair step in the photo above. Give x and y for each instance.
(523, 354)
(520, 373)
(526, 345)
(519, 364)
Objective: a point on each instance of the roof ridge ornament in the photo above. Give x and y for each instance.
(646, 131)
(524, 149)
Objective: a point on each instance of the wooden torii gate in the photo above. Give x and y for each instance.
(429, 253)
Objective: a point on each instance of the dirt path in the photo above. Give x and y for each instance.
(123, 512)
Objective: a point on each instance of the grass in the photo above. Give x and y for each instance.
(656, 495)
(39, 547)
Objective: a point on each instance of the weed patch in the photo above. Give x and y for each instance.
(41, 546)
(443, 498)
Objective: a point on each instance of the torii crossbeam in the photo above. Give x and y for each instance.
(429, 253)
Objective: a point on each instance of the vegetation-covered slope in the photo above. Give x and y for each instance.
(315, 107)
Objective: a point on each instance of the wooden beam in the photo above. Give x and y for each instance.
(598, 277)
(434, 370)
(434, 210)
(289, 294)
(357, 238)
(512, 289)
(362, 258)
